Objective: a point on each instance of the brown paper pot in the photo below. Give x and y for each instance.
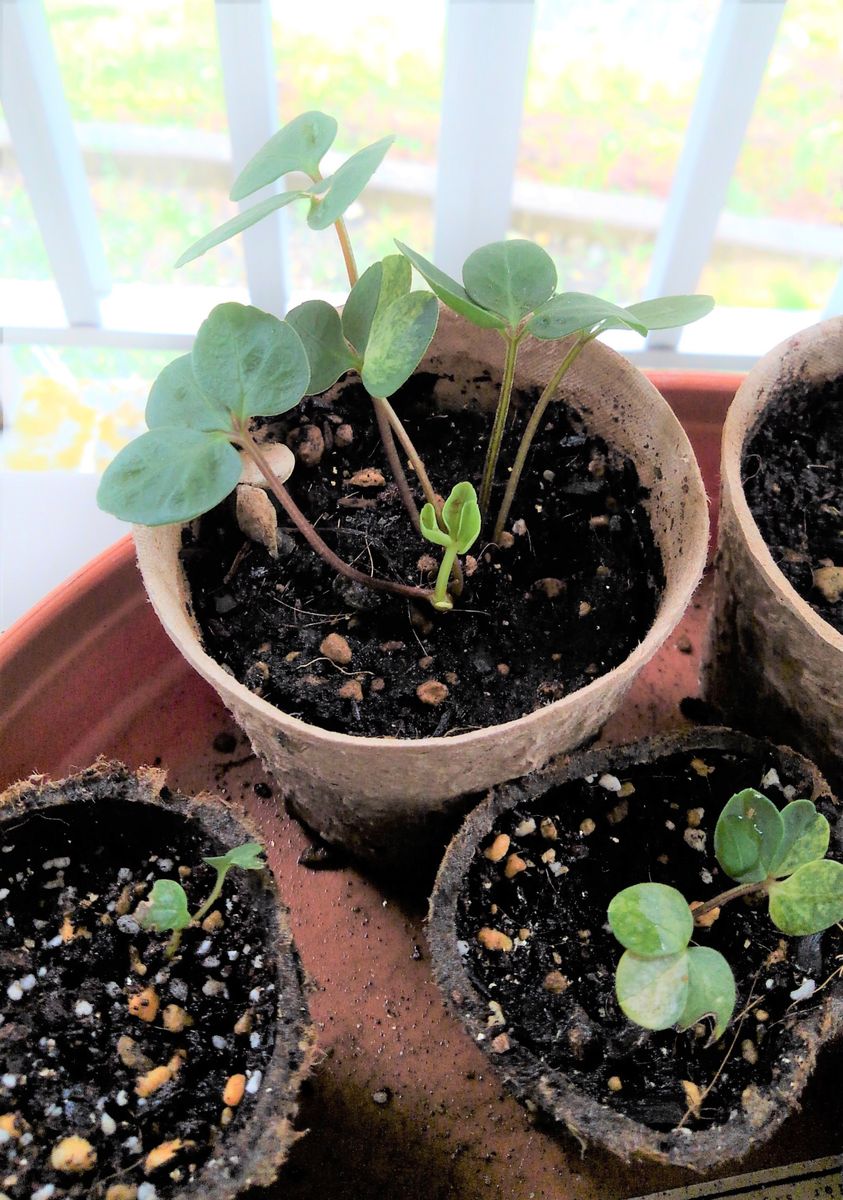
(384, 797)
(252, 1152)
(773, 665)
(753, 1118)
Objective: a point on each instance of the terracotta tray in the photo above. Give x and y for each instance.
(90, 671)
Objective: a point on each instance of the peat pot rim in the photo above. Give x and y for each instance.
(792, 356)
(262, 1144)
(682, 578)
(549, 1088)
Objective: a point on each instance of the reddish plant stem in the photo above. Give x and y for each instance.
(247, 443)
(391, 451)
(743, 889)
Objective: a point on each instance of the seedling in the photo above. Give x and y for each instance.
(246, 363)
(511, 287)
(461, 520)
(166, 908)
(661, 979)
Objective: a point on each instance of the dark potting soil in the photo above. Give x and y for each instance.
(570, 599)
(91, 1009)
(793, 477)
(553, 990)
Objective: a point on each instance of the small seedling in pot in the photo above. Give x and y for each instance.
(461, 520)
(661, 979)
(246, 363)
(166, 908)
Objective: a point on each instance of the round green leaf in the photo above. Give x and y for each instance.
(711, 990)
(399, 338)
(511, 278)
(395, 280)
(165, 908)
(299, 146)
(810, 900)
(747, 836)
(249, 857)
(319, 326)
(237, 224)
(346, 184)
(177, 399)
(169, 475)
(450, 292)
(806, 837)
(430, 527)
(651, 920)
(652, 991)
(359, 309)
(670, 311)
(572, 312)
(250, 361)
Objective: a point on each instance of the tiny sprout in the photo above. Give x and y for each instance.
(461, 520)
(662, 980)
(166, 908)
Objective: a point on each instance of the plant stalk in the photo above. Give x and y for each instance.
(212, 899)
(496, 437)
(531, 430)
(441, 599)
(391, 451)
(347, 252)
(243, 438)
(742, 889)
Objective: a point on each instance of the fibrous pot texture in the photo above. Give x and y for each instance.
(525, 958)
(173, 1077)
(375, 795)
(774, 666)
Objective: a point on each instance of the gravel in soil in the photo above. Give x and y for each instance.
(793, 478)
(120, 1067)
(571, 594)
(532, 927)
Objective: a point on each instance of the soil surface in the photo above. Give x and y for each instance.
(793, 477)
(103, 1039)
(553, 989)
(572, 595)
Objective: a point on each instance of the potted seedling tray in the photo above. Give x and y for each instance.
(403, 1104)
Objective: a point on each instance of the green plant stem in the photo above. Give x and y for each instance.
(244, 439)
(742, 889)
(441, 599)
(347, 252)
(171, 949)
(531, 430)
(214, 896)
(496, 437)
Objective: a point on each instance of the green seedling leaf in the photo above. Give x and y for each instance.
(810, 901)
(450, 292)
(249, 857)
(651, 919)
(430, 527)
(652, 991)
(165, 909)
(249, 361)
(805, 839)
(711, 990)
(243, 220)
(299, 146)
(399, 337)
(177, 399)
(670, 311)
(747, 836)
(346, 184)
(169, 475)
(510, 278)
(396, 278)
(572, 312)
(359, 310)
(319, 326)
(461, 514)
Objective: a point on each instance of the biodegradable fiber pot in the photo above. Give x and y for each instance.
(547, 854)
(377, 795)
(773, 665)
(77, 1056)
